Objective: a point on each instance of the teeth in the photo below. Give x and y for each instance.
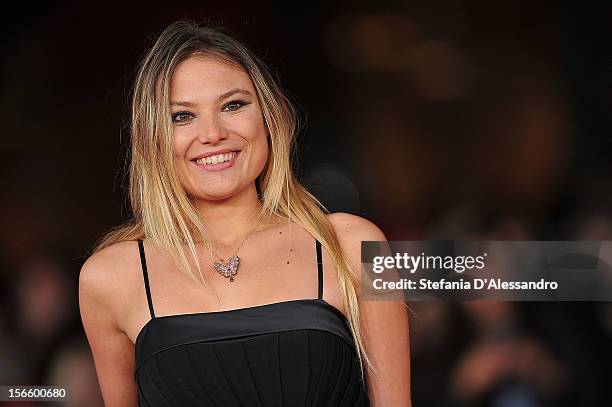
(215, 159)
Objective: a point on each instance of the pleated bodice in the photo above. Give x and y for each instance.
(290, 353)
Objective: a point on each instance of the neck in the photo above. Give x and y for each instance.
(229, 221)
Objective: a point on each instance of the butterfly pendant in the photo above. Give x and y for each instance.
(230, 269)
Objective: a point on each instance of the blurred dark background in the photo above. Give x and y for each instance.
(436, 120)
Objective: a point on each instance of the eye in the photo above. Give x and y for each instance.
(181, 117)
(234, 105)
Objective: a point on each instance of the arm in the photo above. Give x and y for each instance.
(113, 351)
(384, 323)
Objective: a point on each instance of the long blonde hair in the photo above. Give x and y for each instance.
(161, 210)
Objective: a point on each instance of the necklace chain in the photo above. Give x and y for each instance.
(230, 269)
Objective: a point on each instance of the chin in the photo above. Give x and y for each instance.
(217, 195)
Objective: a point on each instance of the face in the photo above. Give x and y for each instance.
(220, 139)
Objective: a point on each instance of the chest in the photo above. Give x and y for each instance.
(266, 274)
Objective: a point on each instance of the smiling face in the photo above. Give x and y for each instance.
(220, 138)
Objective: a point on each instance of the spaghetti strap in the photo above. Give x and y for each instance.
(145, 275)
(320, 268)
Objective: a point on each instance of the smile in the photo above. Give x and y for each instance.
(217, 162)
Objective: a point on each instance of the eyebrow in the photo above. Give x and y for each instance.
(233, 92)
(223, 96)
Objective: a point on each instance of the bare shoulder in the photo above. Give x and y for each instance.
(106, 283)
(105, 276)
(101, 271)
(353, 229)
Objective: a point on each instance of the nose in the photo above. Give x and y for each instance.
(210, 131)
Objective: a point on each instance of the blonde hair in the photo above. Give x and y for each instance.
(162, 211)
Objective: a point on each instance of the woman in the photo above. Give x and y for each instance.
(231, 286)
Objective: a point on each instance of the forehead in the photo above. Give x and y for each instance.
(207, 77)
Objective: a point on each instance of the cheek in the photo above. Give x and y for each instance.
(252, 129)
(180, 147)
(262, 153)
(251, 125)
(260, 142)
(180, 140)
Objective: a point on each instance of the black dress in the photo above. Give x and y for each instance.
(291, 353)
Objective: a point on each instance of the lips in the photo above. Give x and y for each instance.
(218, 165)
(216, 152)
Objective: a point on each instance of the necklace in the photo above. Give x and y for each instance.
(229, 269)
